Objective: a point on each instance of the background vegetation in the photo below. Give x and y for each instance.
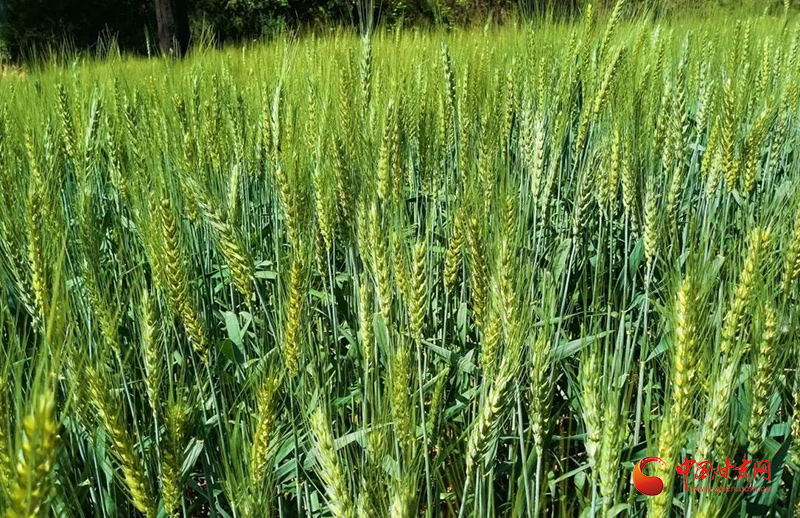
(28, 25)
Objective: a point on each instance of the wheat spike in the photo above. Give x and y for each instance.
(365, 317)
(177, 283)
(30, 490)
(294, 316)
(491, 343)
(230, 243)
(6, 466)
(266, 423)
(491, 414)
(152, 351)
(541, 391)
(417, 304)
(791, 262)
(454, 253)
(402, 411)
(682, 381)
(730, 166)
(478, 274)
(331, 471)
(131, 464)
(36, 254)
(172, 459)
(761, 381)
(591, 406)
(732, 322)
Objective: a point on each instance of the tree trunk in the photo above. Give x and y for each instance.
(173, 26)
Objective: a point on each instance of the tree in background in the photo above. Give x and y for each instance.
(230, 20)
(173, 26)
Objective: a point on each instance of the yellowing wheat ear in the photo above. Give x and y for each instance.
(264, 431)
(177, 281)
(32, 484)
(36, 253)
(684, 355)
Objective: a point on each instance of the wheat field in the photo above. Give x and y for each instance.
(478, 272)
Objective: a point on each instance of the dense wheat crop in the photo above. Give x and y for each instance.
(474, 273)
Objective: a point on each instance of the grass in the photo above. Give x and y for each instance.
(470, 273)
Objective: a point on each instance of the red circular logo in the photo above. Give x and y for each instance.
(647, 485)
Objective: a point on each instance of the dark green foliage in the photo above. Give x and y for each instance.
(28, 24)
(235, 19)
(39, 24)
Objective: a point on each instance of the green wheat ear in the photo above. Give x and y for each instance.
(330, 466)
(109, 417)
(230, 243)
(264, 431)
(454, 254)
(152, 351)
(172, 458)
(491, 414)
(294, 315)
(417, 306)
(759, 240)
(762, 382)
(6, 467)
